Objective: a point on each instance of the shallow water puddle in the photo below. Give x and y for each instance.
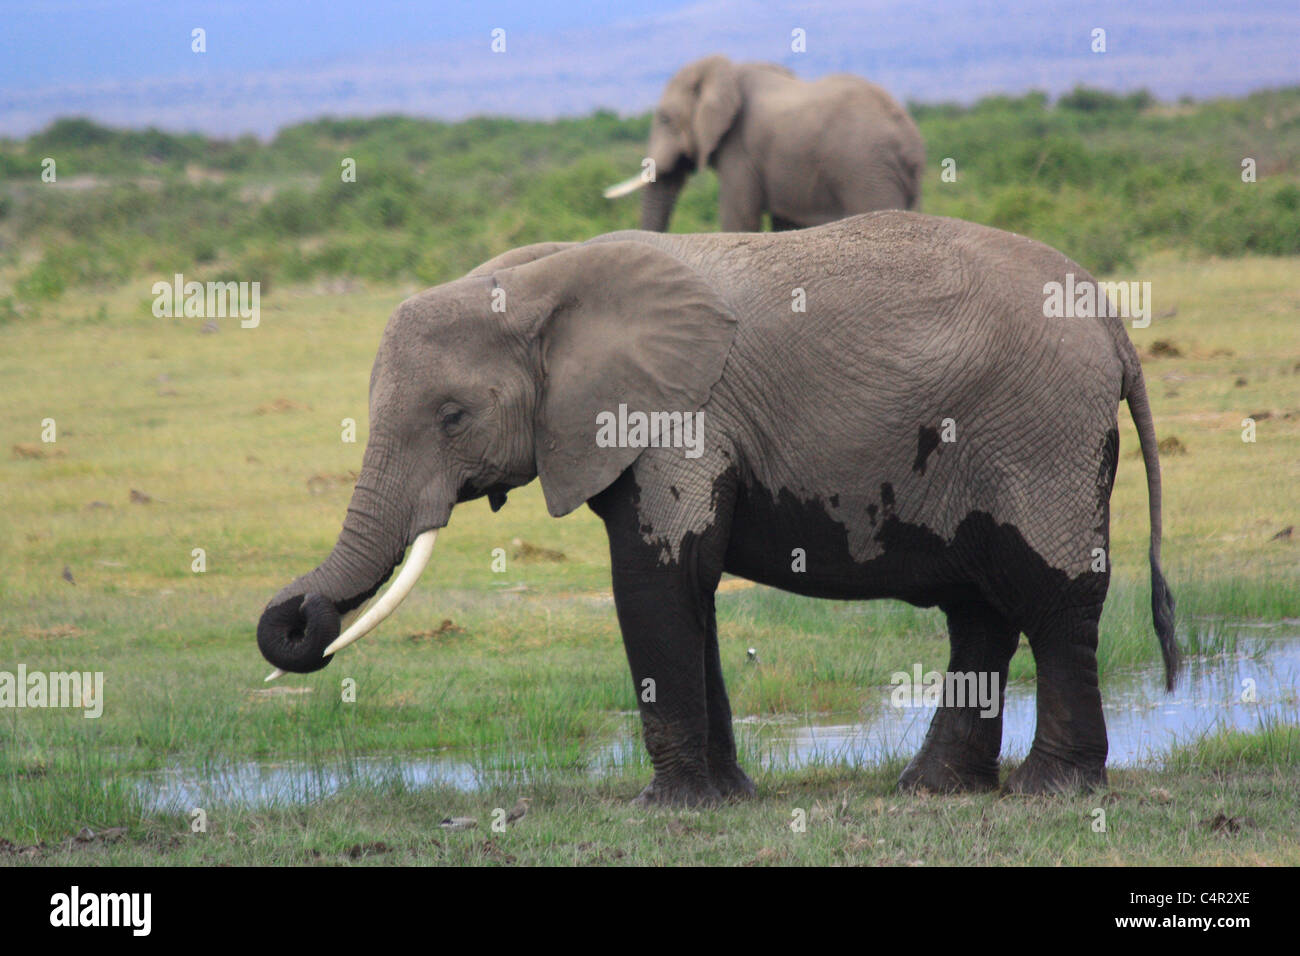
(1142, 720)
(262, 784)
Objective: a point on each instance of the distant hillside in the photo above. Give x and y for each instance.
(129, 63)
(1102, 177)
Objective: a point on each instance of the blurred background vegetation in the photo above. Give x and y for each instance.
(1107, 179)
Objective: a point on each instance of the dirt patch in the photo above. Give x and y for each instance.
(603, 855)
(282, 405)
(360, 850)
(319, 484)
(85, 839)
(9, 849)
(1167, 349)
(53, 633)
(1163, 348)
(531, 552)
(1222, 823)
(33, 451)
(446, 629)
(493, 852)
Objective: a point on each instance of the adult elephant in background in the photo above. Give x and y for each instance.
(777, 432)
(807, 153)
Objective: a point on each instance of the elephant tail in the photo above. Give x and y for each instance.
(1162, 599)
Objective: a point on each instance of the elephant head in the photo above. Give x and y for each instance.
(698, 107)
(484, 383)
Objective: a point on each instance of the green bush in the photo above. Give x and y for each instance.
(45, 282)
(1105, 177)
(1087, 100)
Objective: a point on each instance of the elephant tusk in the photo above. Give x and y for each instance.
(346, 621)
(625, 187)
(415, 564)
(273, 675)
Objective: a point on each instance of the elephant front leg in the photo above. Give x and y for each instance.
(962, 745)
(666, 649)
(724, 770)
(664, 596)
(740, 194)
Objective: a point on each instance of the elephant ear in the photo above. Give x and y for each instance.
(718, 105)
(613, 323)
(517, 257)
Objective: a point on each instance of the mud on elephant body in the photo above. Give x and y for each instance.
(818, 434)
(806, 153)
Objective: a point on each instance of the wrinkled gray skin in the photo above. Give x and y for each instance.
(807, 153)
(821, 434)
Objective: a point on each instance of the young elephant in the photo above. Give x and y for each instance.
(807, 153)
(884, 393)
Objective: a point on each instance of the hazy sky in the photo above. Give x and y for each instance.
(44, 42)
(270, 63)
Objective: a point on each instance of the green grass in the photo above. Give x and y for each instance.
(1215, 810)
(531, 668)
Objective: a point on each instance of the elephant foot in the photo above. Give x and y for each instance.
(1043, 773)
(943, 771)
(732, 782)
(677, 792)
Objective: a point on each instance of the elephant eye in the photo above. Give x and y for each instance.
(451, 418)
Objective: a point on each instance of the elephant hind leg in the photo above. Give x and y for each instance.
(1069, 750)
(961, 748)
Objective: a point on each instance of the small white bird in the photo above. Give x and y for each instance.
(752, 655)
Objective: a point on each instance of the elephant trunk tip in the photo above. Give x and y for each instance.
(294, 634)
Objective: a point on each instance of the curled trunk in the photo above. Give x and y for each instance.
(306, 616)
